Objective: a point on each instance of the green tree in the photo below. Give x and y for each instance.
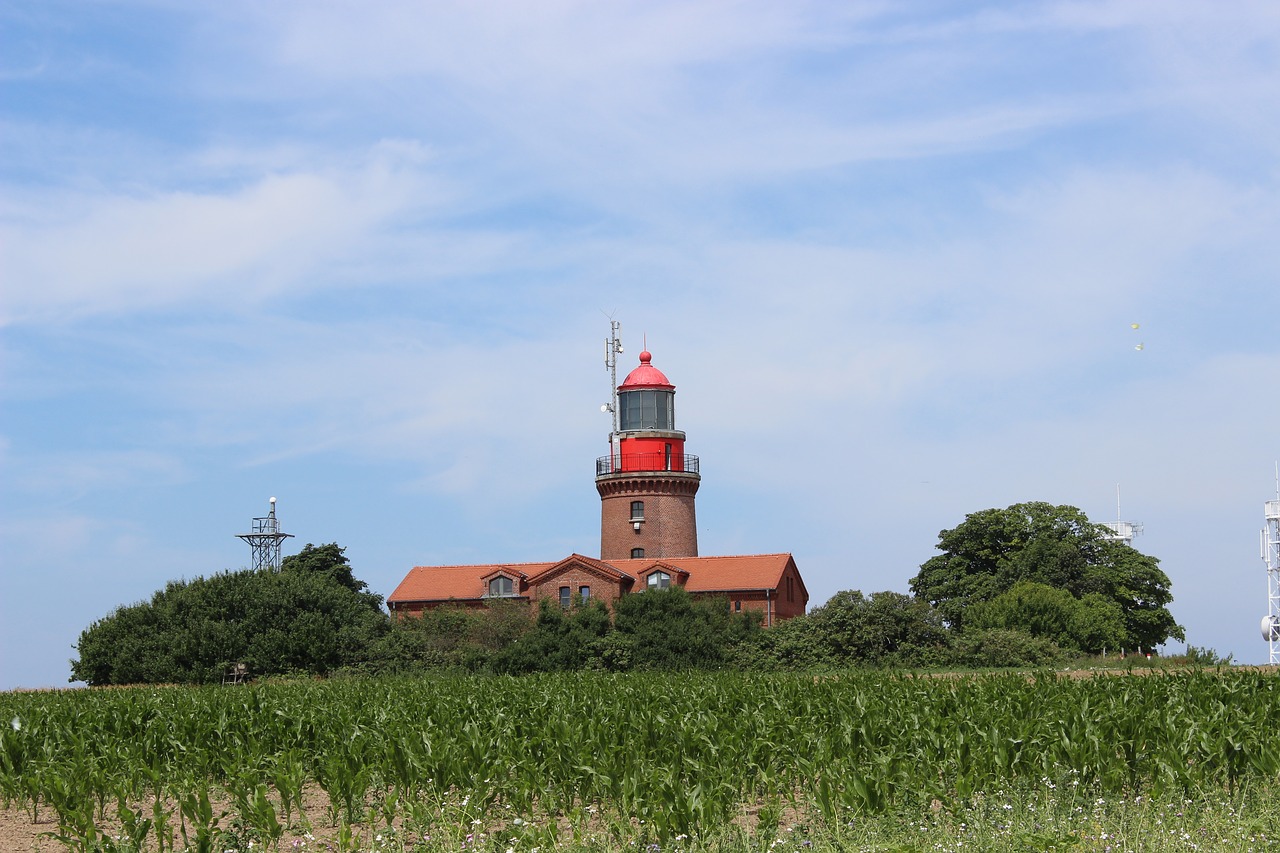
(788, 645)
(295, 620)
(1000, 647)
(1057, 546)
(560, 640)
(887, 628)
(327, 560)
(670, 629)
(1090, 624)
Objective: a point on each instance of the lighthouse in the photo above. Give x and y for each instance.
(647, 483)
(648, 528)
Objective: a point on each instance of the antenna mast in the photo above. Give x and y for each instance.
(1122, 531)
(265, 541)
(613, 346)
(1271, 556)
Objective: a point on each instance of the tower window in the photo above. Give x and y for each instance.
(565, 597)
(637, 510)
(659, 580)
(637, 553)
(501, 586)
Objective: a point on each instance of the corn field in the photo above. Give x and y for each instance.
(658, 755)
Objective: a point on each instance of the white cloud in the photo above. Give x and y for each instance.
(112, 253)
(548, 46)
(674, 93)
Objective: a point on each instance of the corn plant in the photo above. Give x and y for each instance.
(667, 754)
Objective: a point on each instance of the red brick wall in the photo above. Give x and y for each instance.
(602, 589)
(670, 526)
(775, 606)
(792, 598)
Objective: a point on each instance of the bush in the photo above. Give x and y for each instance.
(1204, 656)
(311, 617)
(999, 647)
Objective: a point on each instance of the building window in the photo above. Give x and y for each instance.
(584, 593)
(501, 586)
(637, 510)
(659, 580)
(565, 597)
(637, 553)
(737, 606)
(790, 591)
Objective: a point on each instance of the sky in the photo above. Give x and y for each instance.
(363, 257)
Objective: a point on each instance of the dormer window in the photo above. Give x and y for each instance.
(659, 580)
(501, 587)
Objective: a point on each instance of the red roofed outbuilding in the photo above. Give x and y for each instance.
(769, 584)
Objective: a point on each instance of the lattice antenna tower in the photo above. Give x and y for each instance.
(1122, 531)
(265, 540)
(1271, 556)
(612, 347)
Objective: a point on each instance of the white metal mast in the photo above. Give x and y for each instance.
(612, 347)
(1271, 556)
(1122, 531)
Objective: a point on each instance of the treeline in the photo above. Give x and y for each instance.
(670, 629)
(1032, 584)
(313, 616)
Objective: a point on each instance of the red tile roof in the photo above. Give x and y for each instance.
(719, 574)
(599, 567)
(705, 574)
(441, 583)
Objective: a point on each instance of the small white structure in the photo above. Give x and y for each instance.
(1122, 531)
(1271, 556)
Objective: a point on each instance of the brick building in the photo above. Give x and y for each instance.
(648, 529)
(767, 583)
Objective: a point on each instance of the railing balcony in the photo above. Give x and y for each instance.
(267, 524)
(685, 463)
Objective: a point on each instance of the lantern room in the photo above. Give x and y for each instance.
(647, 438)
(646, 399)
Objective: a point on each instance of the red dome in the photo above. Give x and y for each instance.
(646, 376)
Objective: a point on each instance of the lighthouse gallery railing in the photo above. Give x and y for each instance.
(682, 462)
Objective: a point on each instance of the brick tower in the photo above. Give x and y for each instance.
(647, 483)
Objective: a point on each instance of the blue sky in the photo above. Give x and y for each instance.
(361, 257)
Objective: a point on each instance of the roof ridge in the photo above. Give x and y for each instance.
(491, 565)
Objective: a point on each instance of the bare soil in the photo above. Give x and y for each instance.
(20, 834)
